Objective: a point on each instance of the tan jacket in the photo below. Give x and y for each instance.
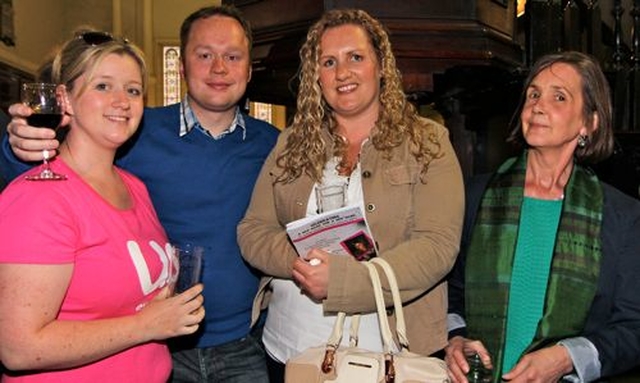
(416, 225)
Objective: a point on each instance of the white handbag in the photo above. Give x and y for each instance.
(339, 364)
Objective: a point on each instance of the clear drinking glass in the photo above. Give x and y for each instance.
(47, 113)
(190, 259)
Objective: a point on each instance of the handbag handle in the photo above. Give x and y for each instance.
(401, 327)
(385, 330)
(336, 333)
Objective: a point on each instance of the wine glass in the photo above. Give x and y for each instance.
(47, 113)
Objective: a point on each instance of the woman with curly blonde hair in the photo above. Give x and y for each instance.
(398, 119)
(354, 127)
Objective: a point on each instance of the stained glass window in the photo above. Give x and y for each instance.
(171, 74)
(261, 111)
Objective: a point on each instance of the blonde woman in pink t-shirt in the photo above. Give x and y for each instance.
(86, 270)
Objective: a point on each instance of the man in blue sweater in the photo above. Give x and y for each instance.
(199, 160)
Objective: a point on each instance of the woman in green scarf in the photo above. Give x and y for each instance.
(547, 285)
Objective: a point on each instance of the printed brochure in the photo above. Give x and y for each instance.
(342, 231)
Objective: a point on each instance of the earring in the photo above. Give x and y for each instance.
(582, 141)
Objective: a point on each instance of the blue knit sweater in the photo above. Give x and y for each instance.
(200, 188)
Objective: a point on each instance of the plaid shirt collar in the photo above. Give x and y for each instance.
(189, 121)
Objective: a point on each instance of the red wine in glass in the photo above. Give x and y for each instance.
(46, 120)
(42, 98)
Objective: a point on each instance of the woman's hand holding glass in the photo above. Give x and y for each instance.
(456, 354)
(169, 315)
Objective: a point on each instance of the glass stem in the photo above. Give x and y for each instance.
(46, 167)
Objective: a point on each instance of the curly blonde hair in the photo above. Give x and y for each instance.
(305, 150)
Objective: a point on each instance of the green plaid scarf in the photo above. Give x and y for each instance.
(575, 265)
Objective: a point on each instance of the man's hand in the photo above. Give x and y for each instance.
(28, 142)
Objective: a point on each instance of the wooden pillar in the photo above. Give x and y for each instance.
(116, 24)
(544, 29)
(573, 28)
(634, 84)
(618, 53)
(620, 96)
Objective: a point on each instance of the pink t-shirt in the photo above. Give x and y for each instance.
(121, 260)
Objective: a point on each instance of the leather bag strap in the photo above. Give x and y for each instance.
(328, 363)
(401, 327)
(336, 333)
(385, 330)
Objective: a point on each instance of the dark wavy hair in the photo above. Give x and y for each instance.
(596, 97)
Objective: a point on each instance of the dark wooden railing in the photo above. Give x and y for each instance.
(614, 39)
(626, 69)
(623, 168)
(466, 59)
(577, 25)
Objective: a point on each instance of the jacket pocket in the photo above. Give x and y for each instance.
(402, 174)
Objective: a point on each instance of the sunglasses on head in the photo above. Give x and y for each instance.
(98, 38)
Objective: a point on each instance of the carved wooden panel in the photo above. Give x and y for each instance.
(428, 37)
